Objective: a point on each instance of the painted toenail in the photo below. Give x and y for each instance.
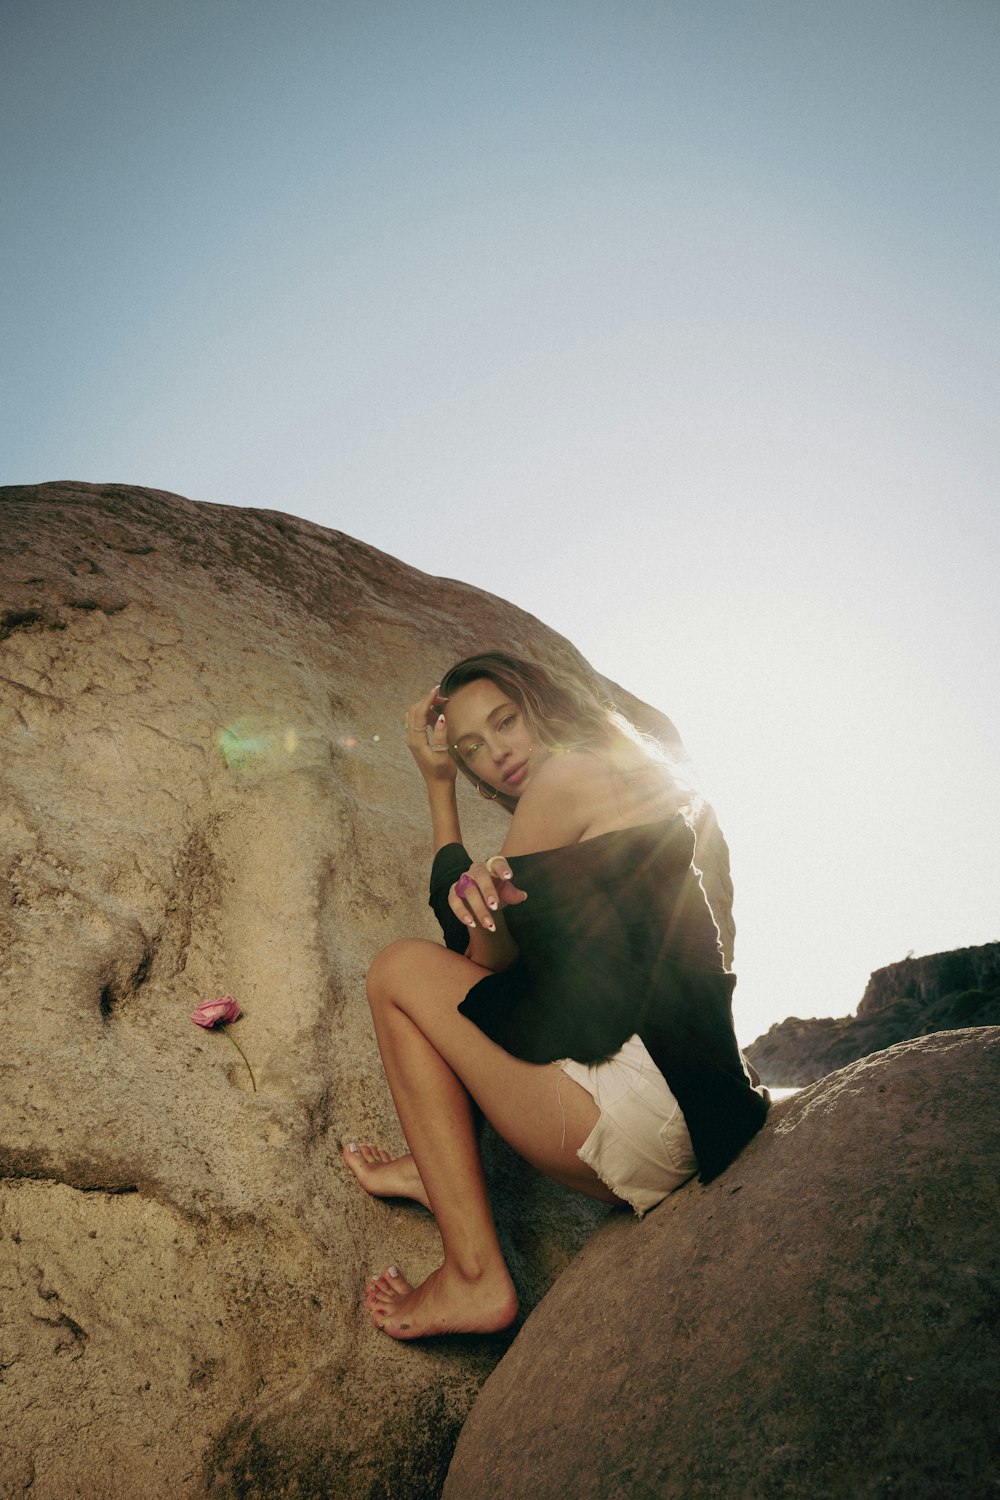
(352, 1146)
(393, 1271)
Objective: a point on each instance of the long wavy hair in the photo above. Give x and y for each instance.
(565, 709)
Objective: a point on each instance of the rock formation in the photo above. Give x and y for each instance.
(819, 1323)
(205, 791)
(916, 997)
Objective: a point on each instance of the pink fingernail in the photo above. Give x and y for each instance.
(440, 718)
(492, 904)
(492, 926)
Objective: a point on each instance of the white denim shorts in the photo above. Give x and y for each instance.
(640, 1147)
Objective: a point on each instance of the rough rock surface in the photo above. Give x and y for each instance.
(819, 1323)
(204, 790)
(915, 997)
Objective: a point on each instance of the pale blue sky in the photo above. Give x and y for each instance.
(674, 323)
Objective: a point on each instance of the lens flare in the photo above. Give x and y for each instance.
(258, 742)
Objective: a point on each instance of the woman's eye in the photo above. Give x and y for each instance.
(473, 749)
(506, 723)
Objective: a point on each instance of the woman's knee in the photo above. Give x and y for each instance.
(389, 968)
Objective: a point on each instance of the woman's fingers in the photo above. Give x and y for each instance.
(439, 732)
(475, 895)
(430, 754)
(472, 909)
(418, 714)
(483, 890)
(480, 873)
(510, 895)
(431, 705)
(507, 892)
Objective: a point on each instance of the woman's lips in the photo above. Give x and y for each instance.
(513, 777)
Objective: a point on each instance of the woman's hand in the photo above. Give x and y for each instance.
(485, 888)
(431, 755)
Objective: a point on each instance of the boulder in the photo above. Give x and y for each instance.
(819, 1323)
(204, 790)
(915, 997)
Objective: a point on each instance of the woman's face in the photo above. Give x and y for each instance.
(490, 732)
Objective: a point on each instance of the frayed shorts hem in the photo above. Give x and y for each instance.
(640, 1147)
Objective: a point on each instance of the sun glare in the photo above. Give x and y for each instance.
(832, 758)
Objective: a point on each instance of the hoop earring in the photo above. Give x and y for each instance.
(487, 796)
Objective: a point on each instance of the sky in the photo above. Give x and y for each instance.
(673, 323)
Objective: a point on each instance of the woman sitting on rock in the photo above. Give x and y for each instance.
(581, 1001)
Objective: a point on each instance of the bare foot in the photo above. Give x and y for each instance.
(446, 1303)
(385, 1176)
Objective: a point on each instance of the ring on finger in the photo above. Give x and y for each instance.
(493, 859)
(463, 885)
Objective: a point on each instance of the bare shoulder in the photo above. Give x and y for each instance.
(568, 792)
(570, 771)
(581, 794)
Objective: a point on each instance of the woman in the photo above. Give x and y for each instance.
(581, 1000)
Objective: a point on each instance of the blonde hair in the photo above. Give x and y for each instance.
(566, 709)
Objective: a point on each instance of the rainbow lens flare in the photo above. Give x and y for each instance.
(258, 742)
(255, 742)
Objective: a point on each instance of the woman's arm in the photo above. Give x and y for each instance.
(492, 949)
(445, 827)
(436, 767)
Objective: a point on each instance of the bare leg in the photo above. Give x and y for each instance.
(471, 1291)
(433, 1057)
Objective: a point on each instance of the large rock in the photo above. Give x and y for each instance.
(205, 791)
(820, 1323)
(915, 997)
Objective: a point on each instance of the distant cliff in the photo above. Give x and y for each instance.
(918, 996)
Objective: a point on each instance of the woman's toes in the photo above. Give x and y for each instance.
(383, 1292)
(392, 1283)
(379, 1289)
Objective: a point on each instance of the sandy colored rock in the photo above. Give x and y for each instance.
(820, 1323)
(205, 791)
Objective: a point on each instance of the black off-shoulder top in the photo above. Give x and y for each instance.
(616, 938)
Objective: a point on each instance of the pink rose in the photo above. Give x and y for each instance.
(211, 1012)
